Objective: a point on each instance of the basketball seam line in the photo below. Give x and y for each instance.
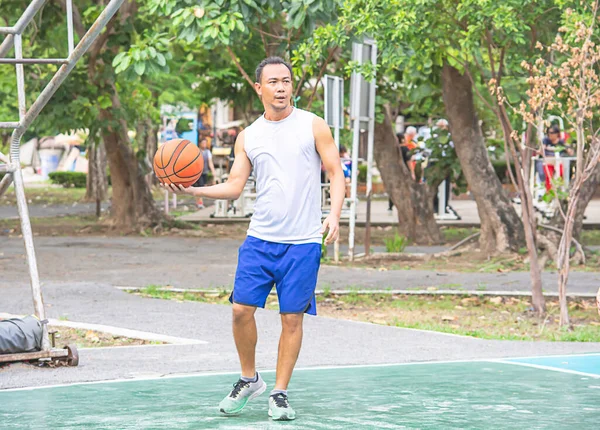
(180, 177)
(189, 164)
(162, 149)
(175, 152)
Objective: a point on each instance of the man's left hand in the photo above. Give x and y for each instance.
(331, 223)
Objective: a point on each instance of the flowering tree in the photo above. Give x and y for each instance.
(570, 86)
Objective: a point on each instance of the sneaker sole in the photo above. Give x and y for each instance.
(254, 395)
(282, 418)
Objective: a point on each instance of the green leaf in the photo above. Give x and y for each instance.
(140, 68)
(104, 102)
(299, 19)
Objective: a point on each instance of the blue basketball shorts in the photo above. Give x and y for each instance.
(292, 268)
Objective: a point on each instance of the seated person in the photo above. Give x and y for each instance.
(550, 144)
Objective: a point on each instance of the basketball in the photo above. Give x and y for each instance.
(178, 161)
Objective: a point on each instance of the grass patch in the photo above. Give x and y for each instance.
(507, 318)
(471, 262)
(396, 244)
(590, 237)
(456, 234)
(46, 195)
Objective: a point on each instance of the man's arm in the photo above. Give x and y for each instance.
(230, 190)
(331, 160)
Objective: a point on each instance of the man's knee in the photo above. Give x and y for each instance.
(242, 313)
(291, 323)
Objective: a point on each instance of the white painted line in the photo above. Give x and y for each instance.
(400, 328)
(132, 346)
(553, 369)
(581, 354)
(118, 331)
(424, 292)
(332, 367)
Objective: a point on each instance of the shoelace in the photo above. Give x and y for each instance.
(280, 400)
(238, 386)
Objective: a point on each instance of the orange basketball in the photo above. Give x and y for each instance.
(178, 161)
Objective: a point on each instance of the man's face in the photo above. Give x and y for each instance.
(275, 87)
(554, 137)
(203, 144)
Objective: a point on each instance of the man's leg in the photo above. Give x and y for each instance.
(244, 333)
(250, 385)
(289, 348)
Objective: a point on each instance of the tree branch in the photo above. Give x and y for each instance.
(262, 36)
(299, 87)
(577, 244)
(240, 68)
(321, 72)
(474, 85)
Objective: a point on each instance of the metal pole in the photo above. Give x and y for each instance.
(6, 45)
(70, 25)
(370, 142)
(33, 60)
(442, 198)
(356, 84)
(166, 202)
(336, 137)
(38, 303)
(25, 19)
(20, 78)
(5, 183)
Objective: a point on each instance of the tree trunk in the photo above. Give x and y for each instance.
(97, 181)
(501, 227)
(147, 143)
(414, 201)
(588, 189)
(132, 202)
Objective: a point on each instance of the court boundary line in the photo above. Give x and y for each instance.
(331, 367)
(549, 368)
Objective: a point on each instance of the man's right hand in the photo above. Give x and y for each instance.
(178, 189)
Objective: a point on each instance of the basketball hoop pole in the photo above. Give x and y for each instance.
(26, 117)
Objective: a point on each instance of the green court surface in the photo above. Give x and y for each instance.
(474, 394)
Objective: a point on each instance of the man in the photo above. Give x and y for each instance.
(285, 147)
(208, 167)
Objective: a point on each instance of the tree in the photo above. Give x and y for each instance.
(246, 31)
(93, 98)
(417, 36)
(569, 83)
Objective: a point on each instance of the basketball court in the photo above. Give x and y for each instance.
(536, 392)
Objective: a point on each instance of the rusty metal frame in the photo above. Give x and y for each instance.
(26, 117)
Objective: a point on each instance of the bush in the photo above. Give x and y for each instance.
(69, 179)
(362, 173)
(396, 244)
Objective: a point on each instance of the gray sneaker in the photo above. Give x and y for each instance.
(280, 409)
(240, 395)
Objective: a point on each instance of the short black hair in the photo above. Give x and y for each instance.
(553, 129)
(272, 60)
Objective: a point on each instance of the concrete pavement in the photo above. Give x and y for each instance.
(326, 341)
(211, 263)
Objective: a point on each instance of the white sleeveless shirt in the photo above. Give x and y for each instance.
(287, 168)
